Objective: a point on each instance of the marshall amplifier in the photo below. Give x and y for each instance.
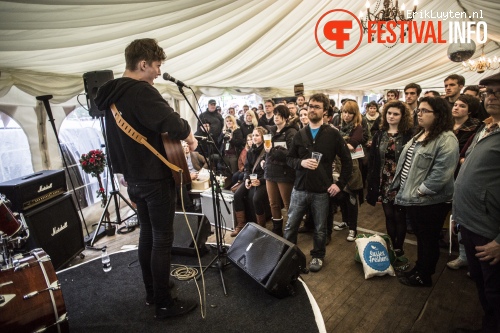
(28, 191)
(55, 226)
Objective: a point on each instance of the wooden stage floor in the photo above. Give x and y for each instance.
(349, 303)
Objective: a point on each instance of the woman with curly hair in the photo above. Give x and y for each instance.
(395, 131)
(424, 181)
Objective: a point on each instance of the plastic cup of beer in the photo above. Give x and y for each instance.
(267, 141)
(316, 156)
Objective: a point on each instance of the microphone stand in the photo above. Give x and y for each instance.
(45, 99)
(220, 259)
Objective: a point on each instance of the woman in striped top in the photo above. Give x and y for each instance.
(424, 181)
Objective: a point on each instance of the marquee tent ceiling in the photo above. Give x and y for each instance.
(254, 46)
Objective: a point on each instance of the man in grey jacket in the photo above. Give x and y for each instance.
(476, 207)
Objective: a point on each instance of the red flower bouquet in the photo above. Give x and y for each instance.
(94, 163)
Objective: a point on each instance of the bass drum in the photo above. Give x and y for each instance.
(31, 299)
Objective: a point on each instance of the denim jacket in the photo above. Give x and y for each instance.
(431, 172)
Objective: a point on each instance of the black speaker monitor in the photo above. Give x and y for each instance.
(55, 227)
(183, 242)
(92, 82)
(272, 261)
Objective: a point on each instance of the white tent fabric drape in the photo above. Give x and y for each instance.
(262, 46)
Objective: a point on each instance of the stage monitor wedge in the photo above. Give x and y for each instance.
(183, 242)
(272, 261)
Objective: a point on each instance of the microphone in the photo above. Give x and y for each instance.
(167, 77)
(200, 138)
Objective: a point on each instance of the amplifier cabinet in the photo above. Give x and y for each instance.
(228, 219)
(55, 226)
(29, 191)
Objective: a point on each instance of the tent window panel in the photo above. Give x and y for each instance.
(15, 154)
(79, 134)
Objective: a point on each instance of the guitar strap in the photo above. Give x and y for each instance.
(136, 136)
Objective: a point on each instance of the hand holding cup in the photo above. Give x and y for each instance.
(253, 179)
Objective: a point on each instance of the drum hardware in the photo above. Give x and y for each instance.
(4, 299)
(9, 224)
(21, 310)
(61, 320)
(53, 286)
(14, 232)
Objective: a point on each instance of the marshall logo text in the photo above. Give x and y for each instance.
(57, 230)
(44, 188)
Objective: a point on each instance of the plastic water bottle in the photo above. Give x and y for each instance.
(106, 263)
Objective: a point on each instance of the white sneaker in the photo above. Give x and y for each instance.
(352, 236)
(341, 226)
(457, 263)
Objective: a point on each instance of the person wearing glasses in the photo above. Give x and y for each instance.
(424, 184)
(314, 183)
(476, 207)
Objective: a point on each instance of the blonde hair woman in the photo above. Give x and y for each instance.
(249, 123)
(232, 143)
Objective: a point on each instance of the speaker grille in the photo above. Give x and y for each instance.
(55, 227)
(257, 253)
(183, 241)
(272, 261)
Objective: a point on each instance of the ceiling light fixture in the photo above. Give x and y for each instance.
(481, 64)
(389, 12)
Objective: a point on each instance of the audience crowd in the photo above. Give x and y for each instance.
(420, 158)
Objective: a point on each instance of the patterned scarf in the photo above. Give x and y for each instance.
(346, 128)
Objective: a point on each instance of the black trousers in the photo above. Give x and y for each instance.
(427, 222)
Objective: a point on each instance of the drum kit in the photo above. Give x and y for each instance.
(31, 299)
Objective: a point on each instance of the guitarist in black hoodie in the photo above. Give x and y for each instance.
(150, 182)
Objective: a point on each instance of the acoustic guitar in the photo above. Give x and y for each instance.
(176, 155)
(173, 149)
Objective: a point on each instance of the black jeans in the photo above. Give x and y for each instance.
(350, 210)
(427, 222)
(487, 278)
(258, 195)
(156, 209)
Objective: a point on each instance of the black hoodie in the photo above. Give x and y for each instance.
(143, 107)
(328, 142)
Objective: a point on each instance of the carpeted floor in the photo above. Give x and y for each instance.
(114, 301)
